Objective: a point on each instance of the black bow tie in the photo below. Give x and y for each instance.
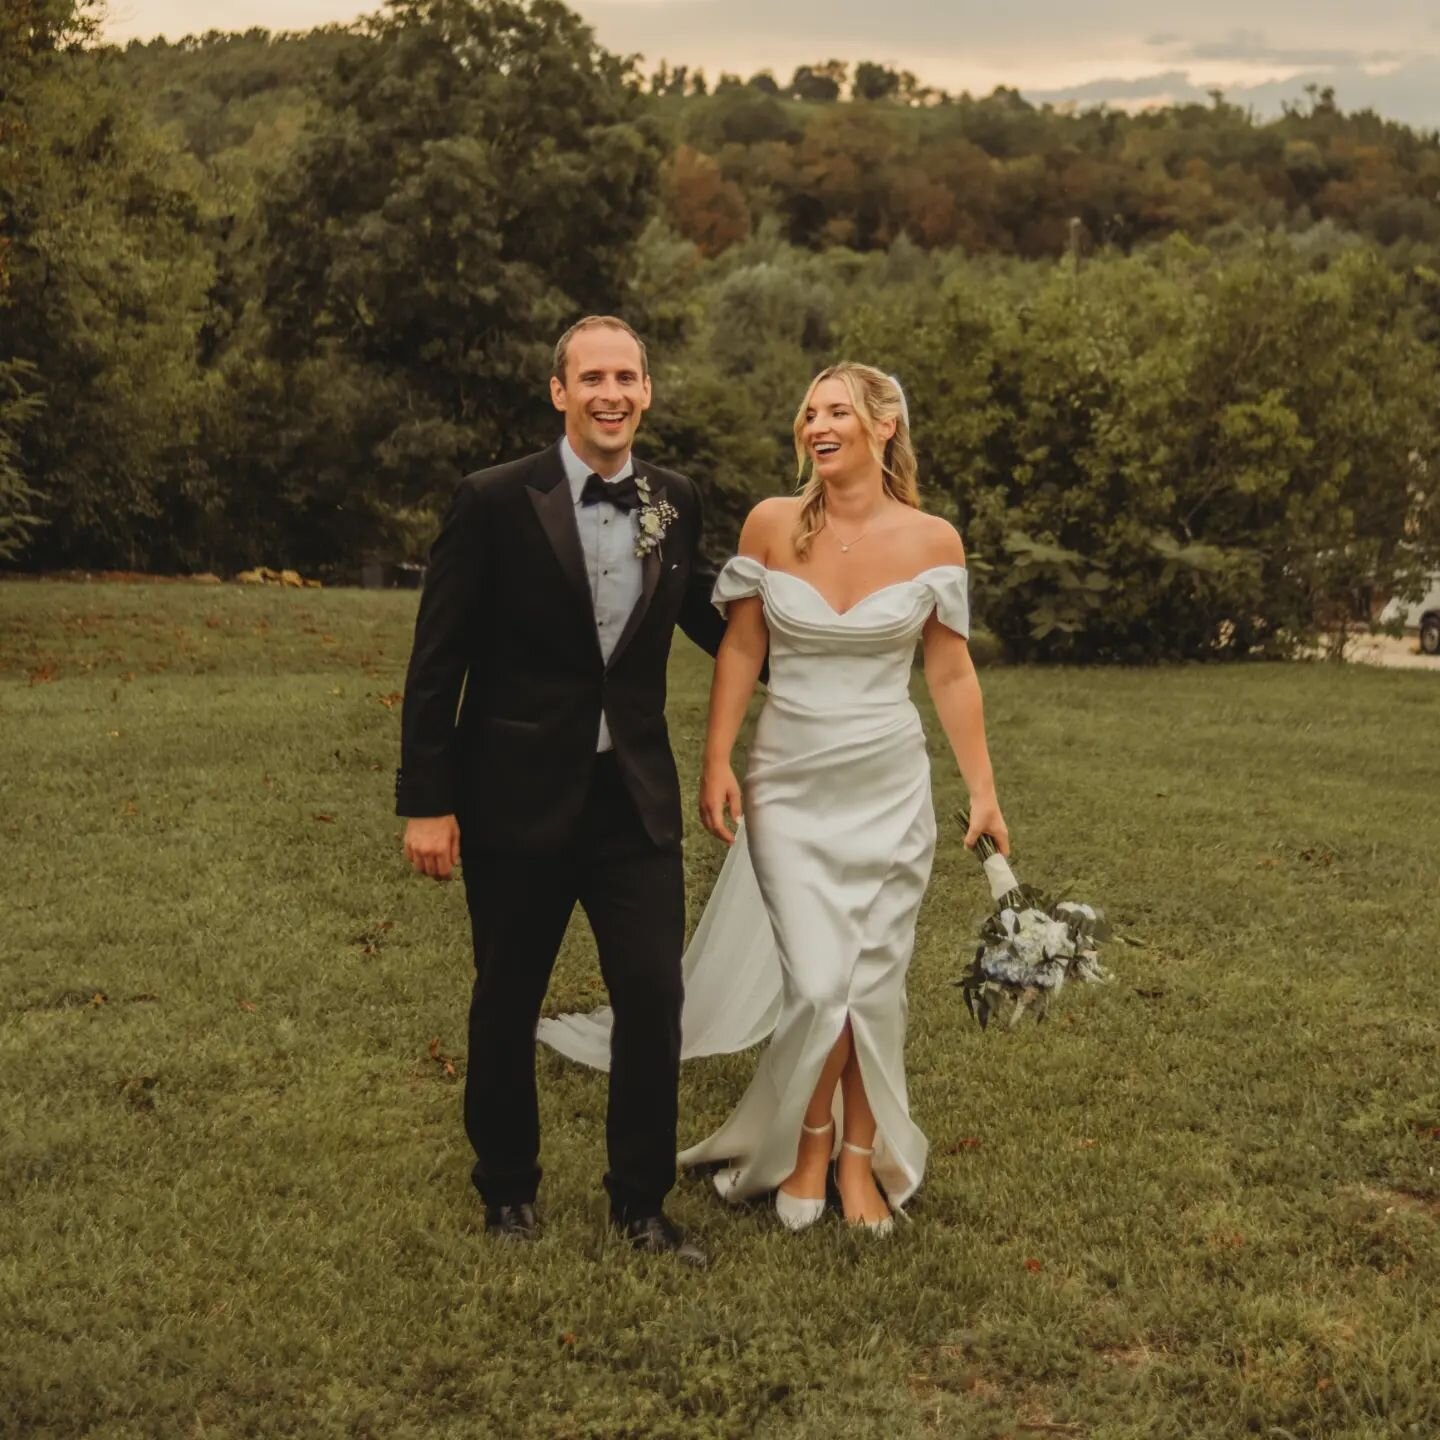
(622, 494)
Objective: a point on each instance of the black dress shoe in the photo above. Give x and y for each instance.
(511, 1222)
(660, 1235)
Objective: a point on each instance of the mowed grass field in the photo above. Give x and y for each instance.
(1200, 1202)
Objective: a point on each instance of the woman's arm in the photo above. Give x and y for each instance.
(737, 668)
(955, 689)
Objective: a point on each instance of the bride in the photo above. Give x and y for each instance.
(809, 931)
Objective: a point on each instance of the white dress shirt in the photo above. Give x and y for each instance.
(607, 538)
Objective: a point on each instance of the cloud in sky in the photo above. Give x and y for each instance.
(1381, 53)
(1055, 49)
(144, 19)
(1252, 47)
(1408, 92)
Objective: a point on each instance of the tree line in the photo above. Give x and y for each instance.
(263, 299)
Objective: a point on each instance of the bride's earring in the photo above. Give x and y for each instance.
(795, 1212)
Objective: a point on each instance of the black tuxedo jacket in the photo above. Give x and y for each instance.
(506, 681)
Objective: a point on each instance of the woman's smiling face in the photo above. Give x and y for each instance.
(833, 434)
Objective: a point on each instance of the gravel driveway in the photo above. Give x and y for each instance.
(1401, 653)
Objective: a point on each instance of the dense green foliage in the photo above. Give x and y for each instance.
(263, 299)
(999, 174)
(1198, 1204)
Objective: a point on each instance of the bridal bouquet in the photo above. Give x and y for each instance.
(1030, 946)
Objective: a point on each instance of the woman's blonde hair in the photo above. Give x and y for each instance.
(875, 398)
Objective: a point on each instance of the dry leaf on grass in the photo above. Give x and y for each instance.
(372, 939)
(1128, 1357)
(447, 1066)
(135, 1091)
(1233, 1241)
(1038, 1425)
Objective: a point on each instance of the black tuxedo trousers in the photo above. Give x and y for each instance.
(633, 894)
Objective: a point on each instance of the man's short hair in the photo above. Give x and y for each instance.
(596, 322)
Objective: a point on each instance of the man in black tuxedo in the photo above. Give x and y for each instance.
(534, 745)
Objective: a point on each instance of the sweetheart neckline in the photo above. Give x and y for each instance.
(840, 614)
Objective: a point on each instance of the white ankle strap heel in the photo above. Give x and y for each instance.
(795, 1211)
(877, 1228)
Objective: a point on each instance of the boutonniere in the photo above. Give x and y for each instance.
(655, 517)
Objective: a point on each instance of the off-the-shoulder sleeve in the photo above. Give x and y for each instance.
(741, 577)
(950, 585)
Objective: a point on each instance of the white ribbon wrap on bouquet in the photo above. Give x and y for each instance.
(1000, 875)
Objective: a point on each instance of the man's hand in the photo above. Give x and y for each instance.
(432, 845)
(718, 789)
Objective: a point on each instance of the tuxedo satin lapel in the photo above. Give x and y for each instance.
(651, 569)
(555, 508)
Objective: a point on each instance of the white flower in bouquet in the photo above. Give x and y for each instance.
(1030, 946)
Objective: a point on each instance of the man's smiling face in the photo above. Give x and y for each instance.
(603, 395)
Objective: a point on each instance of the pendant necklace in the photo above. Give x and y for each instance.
(846, 544)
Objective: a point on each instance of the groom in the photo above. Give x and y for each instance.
(534, 744)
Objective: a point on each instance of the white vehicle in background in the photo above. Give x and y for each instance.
(1423, 616)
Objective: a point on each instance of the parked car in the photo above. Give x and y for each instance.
(1423, 616)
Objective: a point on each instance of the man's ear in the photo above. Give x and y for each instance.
(649, 394)
(557, 393)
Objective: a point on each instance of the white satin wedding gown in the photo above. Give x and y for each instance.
(812, 919)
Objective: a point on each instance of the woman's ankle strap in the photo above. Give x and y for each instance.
(857, 1149)
(824, 1129)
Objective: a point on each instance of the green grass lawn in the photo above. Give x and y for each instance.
(1200, 1202)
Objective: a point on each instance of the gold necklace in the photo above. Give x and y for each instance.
(846, 544)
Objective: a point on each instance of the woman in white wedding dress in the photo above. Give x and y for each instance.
(810, 928)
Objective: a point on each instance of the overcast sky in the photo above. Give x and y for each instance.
(1383, 53)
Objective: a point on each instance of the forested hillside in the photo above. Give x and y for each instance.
(266, 298)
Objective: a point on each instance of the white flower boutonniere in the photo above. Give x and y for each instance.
(655, 517)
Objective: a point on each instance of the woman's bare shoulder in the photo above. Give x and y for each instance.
(769, 522)
(936, 541)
